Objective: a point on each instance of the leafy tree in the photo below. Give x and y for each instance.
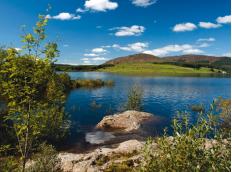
(34, 94)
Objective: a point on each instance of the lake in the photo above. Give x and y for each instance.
(162, 96)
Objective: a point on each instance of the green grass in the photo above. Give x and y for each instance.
(156, 69)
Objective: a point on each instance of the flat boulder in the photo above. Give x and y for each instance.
(127, 121)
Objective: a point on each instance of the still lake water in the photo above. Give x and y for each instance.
(162, 96)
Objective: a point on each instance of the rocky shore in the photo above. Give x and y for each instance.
(103, 158)
(119, 127)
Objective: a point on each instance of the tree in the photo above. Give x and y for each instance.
(34, 95)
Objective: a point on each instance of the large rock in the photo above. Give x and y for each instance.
(126, 122)
(101, 158)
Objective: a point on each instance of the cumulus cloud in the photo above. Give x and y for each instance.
(227, 54)
(206, 39)
(135, 47)
(80, 10)
(18, 49)
(64, 16)
(204, 44)
(91, 55)
(224, 20)
(94, 60)
(99, 59)
(99, 5)
(184, 48)
(134, 30)
(192, 51)
(87, 62)
(143, 3)
(183, 27)
(99, 50)
(209, 25)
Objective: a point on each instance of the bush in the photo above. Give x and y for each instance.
(9, 164)
(199, 147)
(46, 160)
(134, 101)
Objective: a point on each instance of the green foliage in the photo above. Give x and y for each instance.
(189, 149)
(224, 107)
(66, 81)
(120, 167)
(134, 101)
(46, 160)
(91, 83)
(33, 92)
(68, 68)
(9, 164)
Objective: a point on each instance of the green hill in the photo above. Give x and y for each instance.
(173, 65)
(157, 69)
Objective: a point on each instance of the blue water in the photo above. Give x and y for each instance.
(162, 96)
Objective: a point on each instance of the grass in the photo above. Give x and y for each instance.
(156, 69)
(88, 83)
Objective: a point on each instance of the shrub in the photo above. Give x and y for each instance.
(193, 147)
(134, 101)
(46, 160)
(9, 164)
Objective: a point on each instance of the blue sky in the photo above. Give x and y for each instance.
(93, 31)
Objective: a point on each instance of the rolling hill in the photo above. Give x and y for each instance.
(136, 58)
(149, 64)
(188, 58)
(171, 65)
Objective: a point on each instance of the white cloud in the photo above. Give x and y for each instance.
(204, 45)
(182, 27)
(80, 10)
(227, 54)
(192, 51)
(143, 3)
(64, 16)
(99, 59)
(91, 55)
(184, 48)
(18, 49)
(94, 60)
(85, 59)
(209, 25)
(87, 62)
(99, 50)
(206, 39)
(134, 30)
(135, 47)
(224, 20)
(100, 5)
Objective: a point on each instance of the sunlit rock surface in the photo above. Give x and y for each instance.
(127, 121)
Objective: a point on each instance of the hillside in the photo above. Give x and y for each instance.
(193, 58)
(145, 63)
(136, 58)
(157, 69)
(197, 62)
